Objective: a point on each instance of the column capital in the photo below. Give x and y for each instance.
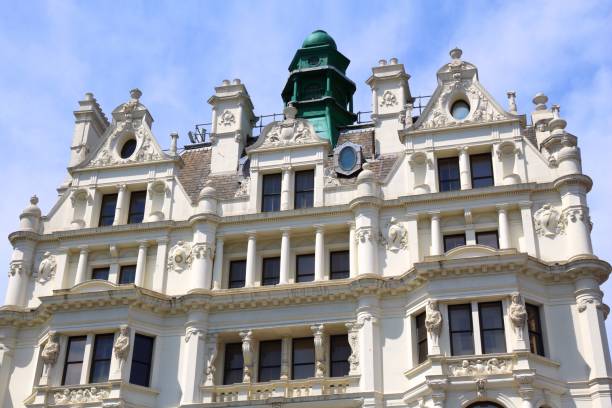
(162, 241)
(462, 149)
(434, 214)
(351, 224)
(502, 207)
(523, 205)
(143, 244)
(83, 249)
(251, 234)
(319, 228)
(121, 187)
(411, 216)
(286, 168)
(220, 237)
(286, 231)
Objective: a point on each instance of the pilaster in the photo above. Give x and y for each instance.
(192, 356)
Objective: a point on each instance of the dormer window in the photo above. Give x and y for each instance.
(271, 192)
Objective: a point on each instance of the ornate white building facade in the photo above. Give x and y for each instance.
(434, 257)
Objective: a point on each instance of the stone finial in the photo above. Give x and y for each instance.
(556, 111)
(557, 124)
(135, 94)
(173, 142)
(511, 101)
(382, 62)
(393, 61)
(225, 82)
(540, 100)
(89, 96)
(236, 81)
(34, 200)
(456, 53)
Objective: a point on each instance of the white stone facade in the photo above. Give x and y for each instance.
(203, 211)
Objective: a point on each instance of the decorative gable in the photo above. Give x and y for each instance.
(458, 81)
(131, 125)
(289, 132)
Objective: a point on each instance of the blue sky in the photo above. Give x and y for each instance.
(176, 52)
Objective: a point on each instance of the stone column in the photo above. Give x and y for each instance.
(319, 267)
(528, 230)
(193, 356)
(464, 168)
(122, 195)
(412, 228)
(81, 274)
(218, 264)
(578, 229)
(370, 347)
(159, 279)
(286, 189)
(141, 263)
(503, 227)
(353, 268)
(7, 354)
(251, 261)
(20, 270)
(202, 265)
(366, 235)
(437, 247)
(285, 256)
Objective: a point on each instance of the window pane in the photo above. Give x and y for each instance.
(340, 350)
(420, 327)
(422, 350)
(72, 373)
(305, 268)
(462, 343)
(304, 189)
(339, 264)
(237, 274)
(233, 366)
(303, 358)
(99, 371)
(100, 273)
(271, 271)
(140, 374)
(74, 360)
(103, 346)
(107, 209)
(453, 241)
(269, 360)
(448, 173)
(137, 207)
(141, 360)
(493, 341)
(460, 317)
(535, 329)
(127, 274)
(482, 170)
(488, 238)
(303, 371)
(271, 189)
(491, 315)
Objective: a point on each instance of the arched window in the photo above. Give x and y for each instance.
(485, 404)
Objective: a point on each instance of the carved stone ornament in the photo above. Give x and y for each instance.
(79, 395)
(46, 268)
(584, 302)
(179, 258)
(203, 250)
(243, 188)
(477, 367)
(247, 355)
(211, 356)
(50, 352)
(227, 118)
(363, 234)
(330, 179)
(517, 313)
(388, 99)
(121, 348)
(319, 344)
(353, 340)
(291, 131)
(394, 237)
(546, 221)
(573, 215)
(193, 332)
(433, 320)
(17, 267)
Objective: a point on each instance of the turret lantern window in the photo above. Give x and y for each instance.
(482, 170)
(271, 192)
(304, 189)
(448, 173)
(107, 209)
(137, 207)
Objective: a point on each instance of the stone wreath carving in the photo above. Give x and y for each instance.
(547, 221)
(79, 395)
(46, 268)
(227, 118)
(394, 237)
(388, 99)
(480, 367)
(179, 258)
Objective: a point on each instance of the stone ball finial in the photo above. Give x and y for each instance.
(456, 53)
(540, 100)
(366, 173)
(89, 96)
(225, 82)
(34, 200)
(135, 94)
(382, 62)
(208, 190)
(236, 81)
(393, 61)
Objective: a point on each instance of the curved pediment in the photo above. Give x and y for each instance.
(94, 285)
(471, 251)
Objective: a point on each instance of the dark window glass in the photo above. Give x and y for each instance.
(269, 360)
(421, 334)
(74, 360)
(488, 238)
(303, 358)
(128, 148)
(460, 110)
(453, 241)
(482, 170)
(137, 207)
(448, 174)
(107, 210)
(485, 404)
(100, 273)
(142, 356)
(492, 333)
(127, 274)
(101, 359)
(304, 268)
(237, 274)
(270, 271)
(304, 189)
(339, 265)
(461, 332)
(534, 326)
(234, 364)
(339, 352)
(271, 194)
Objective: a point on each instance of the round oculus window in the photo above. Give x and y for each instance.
(347, 159)
(460, 110)
(128, 148)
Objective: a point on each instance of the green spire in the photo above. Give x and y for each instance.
(318, 86)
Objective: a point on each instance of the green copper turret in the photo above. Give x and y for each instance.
(318, 86)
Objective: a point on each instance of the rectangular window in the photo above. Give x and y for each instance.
(304, 189)
(142, 357)
(74, 360)
(269, 360)
(271, 192)
(304, 268)
(127, 274)
(534, 326)
(237, 274)
(461, 331)
(137, 207)
(488, 238)
(101, 358)
(270, 274)
(339, 265)
(339, 352)
(107, 209)
(453, 241)
(482, 170)
(448, 174)
(100, 273)
(234, 364)
(421, 334)
(303, 358)
(492, 333)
